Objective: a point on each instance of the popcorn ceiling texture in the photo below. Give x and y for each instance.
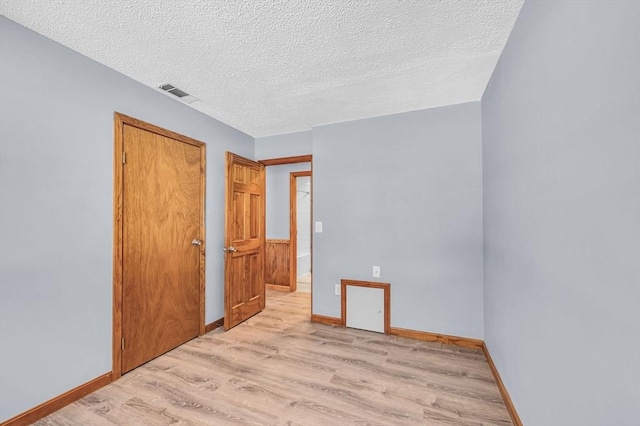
(271, 67)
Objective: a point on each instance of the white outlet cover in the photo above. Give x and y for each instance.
(318, 227)
(376, 272)
(338, 289)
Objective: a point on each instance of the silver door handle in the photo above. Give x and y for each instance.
(230, 249)
(196, 242)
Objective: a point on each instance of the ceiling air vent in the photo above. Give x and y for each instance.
(180, 94)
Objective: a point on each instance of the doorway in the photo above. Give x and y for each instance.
(300, 231)
(159, 191)
(289, 195)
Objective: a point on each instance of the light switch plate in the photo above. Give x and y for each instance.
(376, 272)
(318, 227)
(338, 289)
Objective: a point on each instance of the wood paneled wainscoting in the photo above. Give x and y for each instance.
(278, 265)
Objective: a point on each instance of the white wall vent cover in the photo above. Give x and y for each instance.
(365, 308)
(177, 93)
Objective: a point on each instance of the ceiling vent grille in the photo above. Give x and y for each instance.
(177, 93)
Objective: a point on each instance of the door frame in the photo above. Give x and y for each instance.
(293, 160)
(120, 120)
(293, 226)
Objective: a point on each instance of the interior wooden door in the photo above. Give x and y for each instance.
(244, 240)
(162, 250)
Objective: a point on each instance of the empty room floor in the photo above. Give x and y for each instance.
(278, 368)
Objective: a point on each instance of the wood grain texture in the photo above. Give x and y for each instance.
(213, 325)
(122, 124)
(293, 226)
(278, 368)
(116, 343)
(203, 239)
(278, 263)
(245, 231)
(386, 287)
(55, 404)
(511, 409)
(322, 319)
(134, 122)
(464, 342)
(274, 287)
(162, 214)
(287, 160)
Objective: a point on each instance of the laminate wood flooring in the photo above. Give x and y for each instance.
(304, 283)
(278, 368)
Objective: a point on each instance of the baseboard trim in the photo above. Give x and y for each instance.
(213, 325)
(464, 342)
(53, 405)
(503, 391)
(277, 287)
(321, 319)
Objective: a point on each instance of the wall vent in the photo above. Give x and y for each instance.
(366, 305)
(177, 93)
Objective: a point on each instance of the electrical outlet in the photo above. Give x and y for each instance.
(376, 272)
(318, 227)
(338, 288)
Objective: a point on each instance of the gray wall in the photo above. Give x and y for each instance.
(303, 220)
(303, 210)
(561, 150)
(277, 182)
(403, 192)
(285, 145)
(56, 210)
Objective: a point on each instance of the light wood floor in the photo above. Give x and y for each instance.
(280, 369)
(304, 283)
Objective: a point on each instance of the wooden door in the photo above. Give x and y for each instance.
(162, 250)
(244, 240)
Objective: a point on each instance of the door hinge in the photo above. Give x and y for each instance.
(124, 157)
(123, 343)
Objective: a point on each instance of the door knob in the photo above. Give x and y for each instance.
(230, 249)
(196, 242)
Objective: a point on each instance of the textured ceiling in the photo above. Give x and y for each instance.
(270, 67)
